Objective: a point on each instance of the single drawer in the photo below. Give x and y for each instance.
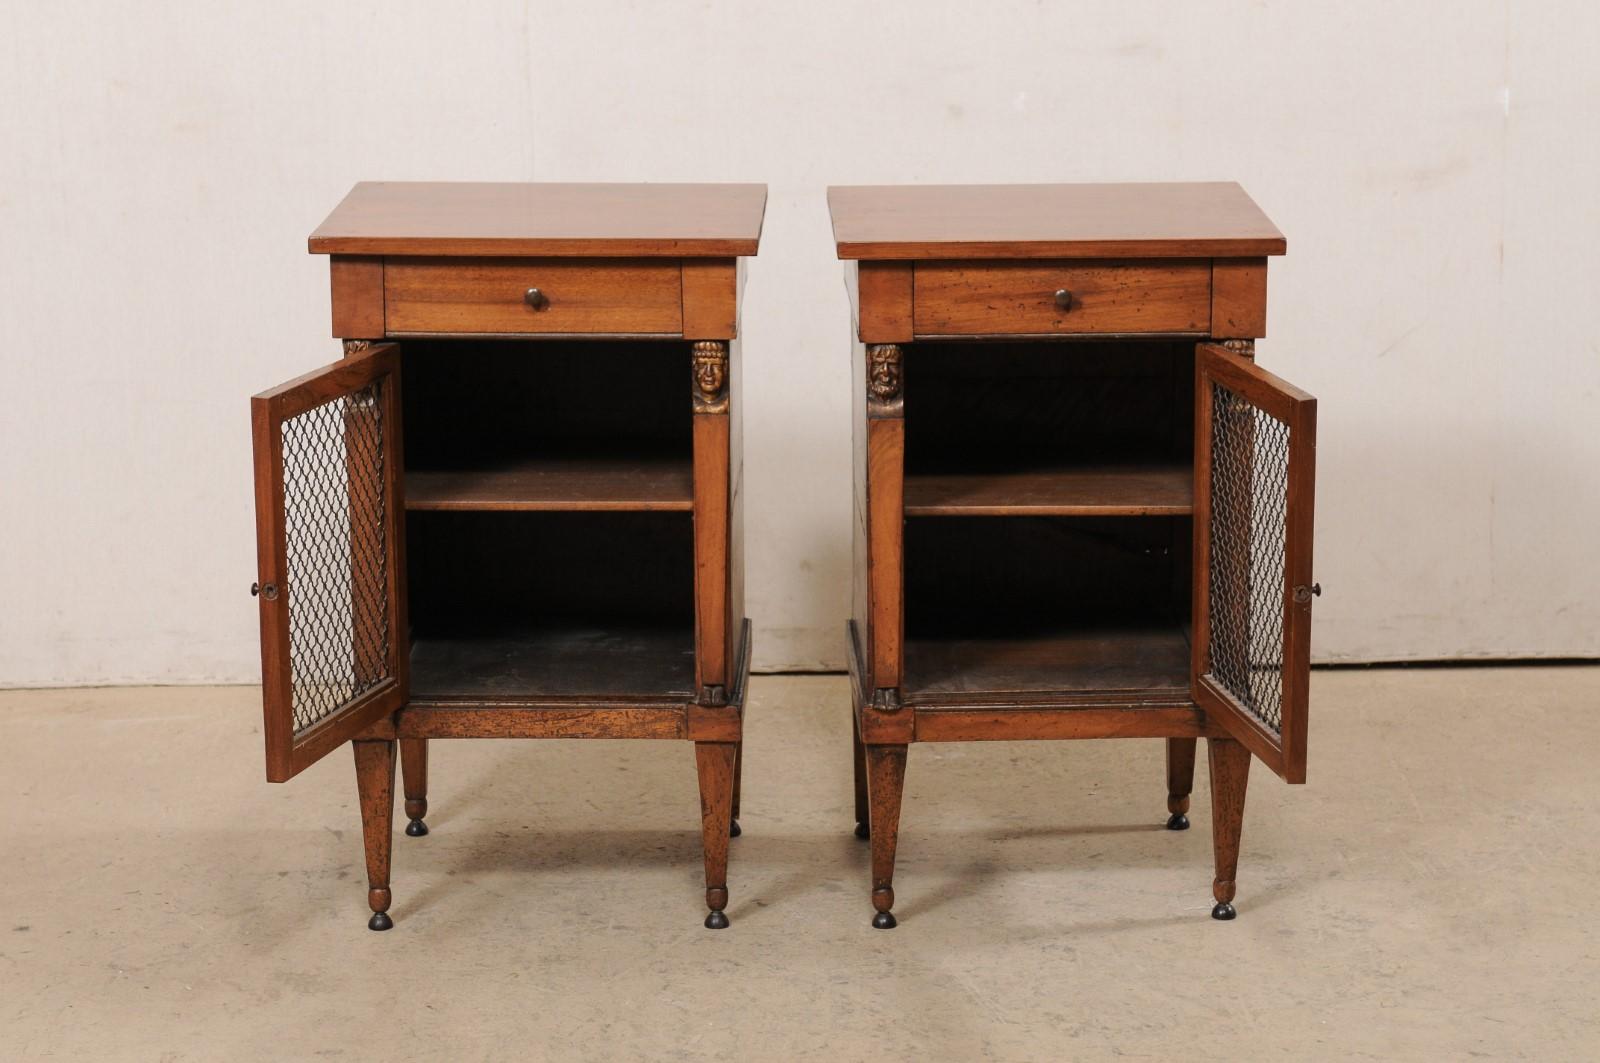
(1061, 298)
(532, 295)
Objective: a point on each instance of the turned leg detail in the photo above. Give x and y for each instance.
(414, 770)
(715, 763)
(886, 778)
(859, 761)
(738, 778)
(1180, 780)
(1230, 772)
(375, 783)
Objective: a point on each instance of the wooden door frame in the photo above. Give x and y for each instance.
(288, 753)
(1285, 752)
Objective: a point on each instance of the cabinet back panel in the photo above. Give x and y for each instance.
(1016, 575)
(470, 401)
(1019, 405)
(493, 571)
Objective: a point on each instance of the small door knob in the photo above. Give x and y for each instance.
(1305, 594)
(268, 591)
(535, 298)
(1063, 299)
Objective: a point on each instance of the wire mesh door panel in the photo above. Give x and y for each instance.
(1255, 454)
(329, 515)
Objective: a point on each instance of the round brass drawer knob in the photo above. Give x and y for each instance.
(1063, 299)
(535, 298)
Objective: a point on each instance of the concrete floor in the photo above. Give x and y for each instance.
(1428, 896)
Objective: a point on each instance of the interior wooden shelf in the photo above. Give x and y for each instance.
(1129, 660)
(576, 661)
(1071, 491)
(593, 484)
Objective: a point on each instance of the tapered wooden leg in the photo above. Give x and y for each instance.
(886, 779)
(1180, 780)
(715, 761)
(414, 770)
(375, 782)
(1230, 772)
(859, 759)
(738, 776)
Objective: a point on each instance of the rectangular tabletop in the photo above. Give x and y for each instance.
(1178, 220)
(605, 220)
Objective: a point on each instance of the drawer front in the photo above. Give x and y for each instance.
(455, 295)
(1021, 298)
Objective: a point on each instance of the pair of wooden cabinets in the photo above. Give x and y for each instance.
(541, 535)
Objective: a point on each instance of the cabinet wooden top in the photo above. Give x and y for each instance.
(431, 218)
(1050, 221)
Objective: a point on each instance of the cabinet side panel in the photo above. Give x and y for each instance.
(860, 569)
(735, 504)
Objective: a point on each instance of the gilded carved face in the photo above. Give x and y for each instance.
(883, 373)
(708, 372)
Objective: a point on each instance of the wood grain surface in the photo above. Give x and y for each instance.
(471, 218)
(1172, 220)
(1024, 298)
(489, 296)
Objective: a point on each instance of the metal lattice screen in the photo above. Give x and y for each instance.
(336, 582)
(1249, 524)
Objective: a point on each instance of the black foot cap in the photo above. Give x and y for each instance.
(884, 921)
(1177, 821)
(717, 921)
(733, 829)
(380, 921)
(863, 831)
(416, 828)
(1223, 910)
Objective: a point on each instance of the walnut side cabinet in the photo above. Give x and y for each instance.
(1081, 510)
(541, 537)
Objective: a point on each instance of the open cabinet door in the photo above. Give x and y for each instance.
(329, 525)
(1254, 474)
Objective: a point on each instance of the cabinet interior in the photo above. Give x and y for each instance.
(1048, 410)
(1049, 500)
(549, 533)
(547, 425)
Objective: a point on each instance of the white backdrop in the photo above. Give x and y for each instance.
(1434, 166)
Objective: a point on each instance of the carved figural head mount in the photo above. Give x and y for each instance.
(883, 374)
(710, 376)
